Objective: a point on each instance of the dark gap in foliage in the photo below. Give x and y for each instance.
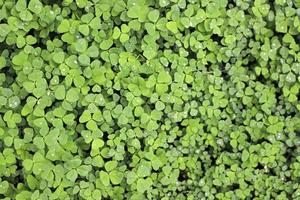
(210, 151)
(203, 169)
(52, 189)
(144, 76)
(271, 172)
(127, 157)
(10, 75)
(259, 141)
(183, 176)
(253, 193)
(297, 39)
(64, 47)
(231, 4)
(259, 166)
(19, 166)
(114, 68)
(233, 121)
(52, 2)
(21, 128)
(261, 79)
(4, 46)
(224, 72)
(39, 44)
(192, 54)
(161, 41)
(297, 133)
(23, 100)
(223, 110)
(5, 70)
(188, 31)
(177, 138)
(216, 38)
(252, 62)
(3, 21)
(105, 137)
(289, 154)
(184, 192)
(234, 186)
(53, 35)
(118, 92)
(175, 48)
(279, 35)
(290, 114)
(84, 147)
(143, 34)
(150, 106)
(247, 181)
(48, 109)
(278, 92)
(298, 96)
(1, 145)
(142, 143)
(31, 32)
(228, 147)
(61, 79)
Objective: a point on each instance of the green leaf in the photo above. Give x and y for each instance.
(144, 184)
(72, 175)
(281, 27)
(60, 92)
(25, 15)
(72, 95)
(4, 185)
(20, 59)
(116, 177)
(144, 171)
(153, 15)
(64, 26)
(172, 26)
(4, 30)
(159, 105)
(104, 177)
(110, 165)
(290, 77)
(84, 29)
(85, 116)
(164, 3)
(32, 182)
(97, 144)
(21, 5)
(131, 177)
(59, 57)
(81, 3)
(35, 6)
(245, 155)
(2, 61)
(81, 45)
(106, 44)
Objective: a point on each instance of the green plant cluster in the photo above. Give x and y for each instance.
(149, 99)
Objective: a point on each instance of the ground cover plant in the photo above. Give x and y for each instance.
(149, 99)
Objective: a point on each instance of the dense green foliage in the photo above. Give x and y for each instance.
(149, 99)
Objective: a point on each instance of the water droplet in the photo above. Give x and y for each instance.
(279, 136)
(14, 102)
